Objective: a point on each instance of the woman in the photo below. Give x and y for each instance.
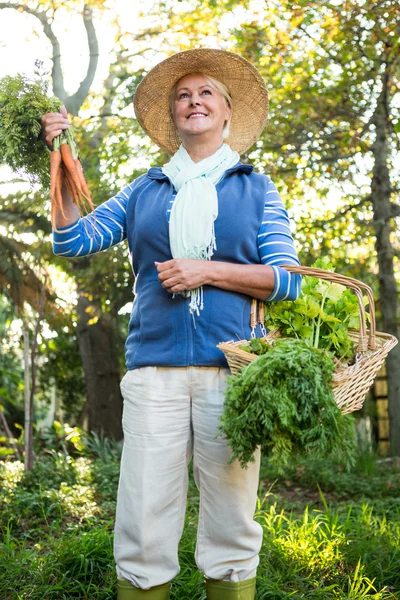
(206, 235)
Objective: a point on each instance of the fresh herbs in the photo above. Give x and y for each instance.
(321, 315)
(283, 402)
(22, 104)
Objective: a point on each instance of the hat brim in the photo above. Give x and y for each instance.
(244, 82)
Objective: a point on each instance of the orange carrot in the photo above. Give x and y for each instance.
(53, 214)
(70, 185)
(59, 185)
(56, 200)
(55, 164)
(84, 186)
(70, 166)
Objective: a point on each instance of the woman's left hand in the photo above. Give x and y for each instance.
(180, 274)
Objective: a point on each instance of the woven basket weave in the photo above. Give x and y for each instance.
(350, 383)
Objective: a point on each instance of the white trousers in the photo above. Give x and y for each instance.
(170, 415)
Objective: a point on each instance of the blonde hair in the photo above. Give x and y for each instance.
(217, 85)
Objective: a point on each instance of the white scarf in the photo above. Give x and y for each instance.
(191, 226)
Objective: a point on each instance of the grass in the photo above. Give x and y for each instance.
(328, 534)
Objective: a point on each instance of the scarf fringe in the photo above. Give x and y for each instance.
(196, 303)
(203, 252)
(195, 208)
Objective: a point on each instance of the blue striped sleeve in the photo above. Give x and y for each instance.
(276, 247)
(97, 231)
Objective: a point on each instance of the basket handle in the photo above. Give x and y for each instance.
(257, 313)
(364, 342)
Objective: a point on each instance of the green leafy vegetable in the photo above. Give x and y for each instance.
(256, 346)
(284, 403)
(321, 316)
(22, 104)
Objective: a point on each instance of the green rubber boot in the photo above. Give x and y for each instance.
(231, 590)
(127, 591)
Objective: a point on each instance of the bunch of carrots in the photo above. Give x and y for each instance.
(23, 102)
(66, 167)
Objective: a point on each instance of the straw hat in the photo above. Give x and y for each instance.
(245, 84)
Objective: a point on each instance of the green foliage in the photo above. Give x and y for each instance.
(283, 402)
(61, 366)
(57, 522)
(11, 371)
(77, 566)
(21, 212)
(61, 436)
(326, 65)
(370, 478)
(321, 315)
(11, 378)
(22, 104)
(102, 447)
(256, 346)
(62, 439)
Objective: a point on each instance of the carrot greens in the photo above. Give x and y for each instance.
(23, 101)
(284, 403)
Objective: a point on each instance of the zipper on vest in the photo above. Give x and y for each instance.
(188, 318)
(191, 343)
(186, 328)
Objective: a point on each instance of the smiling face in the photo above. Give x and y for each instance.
(199, 109)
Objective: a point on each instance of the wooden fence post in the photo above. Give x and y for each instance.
(380, 393)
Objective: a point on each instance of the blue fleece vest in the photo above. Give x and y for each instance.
(162, 332)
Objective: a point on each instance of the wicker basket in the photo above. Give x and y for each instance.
(350, 383)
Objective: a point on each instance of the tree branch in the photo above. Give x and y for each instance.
(335, 58)
(394, 210)
(108, 114)
(56, 73)
(340, 213)
(9, 435)
(35, 343)
(77, 99)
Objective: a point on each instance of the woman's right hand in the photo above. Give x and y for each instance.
(53, 124)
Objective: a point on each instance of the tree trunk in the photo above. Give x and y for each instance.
(97, 346)
(382, 206)
(27, 398)
(9, 435)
